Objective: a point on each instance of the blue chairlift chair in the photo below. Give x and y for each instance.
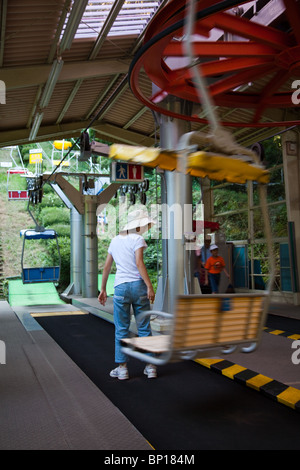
(40, 274)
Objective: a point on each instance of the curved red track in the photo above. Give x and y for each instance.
(258, 69)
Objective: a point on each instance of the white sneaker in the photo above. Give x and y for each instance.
(150, 370)
(120, 373)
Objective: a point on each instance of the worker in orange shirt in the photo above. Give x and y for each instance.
(214, 265)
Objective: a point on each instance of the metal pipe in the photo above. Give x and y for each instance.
(90, 274)
(178, 194)
(76, 251)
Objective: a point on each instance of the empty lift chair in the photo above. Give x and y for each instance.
(16, 193)
(42, 273)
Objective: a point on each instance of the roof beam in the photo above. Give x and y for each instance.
(105, 131)
(106, 27)
(34, 75)
(116, 134)
(72, 25)
(3, 14)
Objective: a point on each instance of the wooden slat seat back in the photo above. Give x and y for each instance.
(204, 325)
(212, 320)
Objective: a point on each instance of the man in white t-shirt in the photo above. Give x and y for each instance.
(132, 286)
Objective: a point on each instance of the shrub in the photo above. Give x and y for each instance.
(49, 217)
(62, 230)
(65, 253)
(50, 199)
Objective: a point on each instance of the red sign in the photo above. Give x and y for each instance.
(135, 172)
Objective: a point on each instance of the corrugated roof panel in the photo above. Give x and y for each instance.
(57, 102)
(16, 112)
(145, 124)
(86, 97)
(117, 48)
(123, 110)
(80, 50)
(29, 31)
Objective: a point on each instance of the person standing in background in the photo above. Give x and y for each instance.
(201, 260)
(213, 268)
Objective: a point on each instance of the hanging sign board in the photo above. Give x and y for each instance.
(35, 156)
(59, 162)
(126, 172)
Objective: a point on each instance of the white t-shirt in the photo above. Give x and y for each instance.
(122, 248)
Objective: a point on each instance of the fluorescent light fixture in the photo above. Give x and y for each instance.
(51, 82)
(36, 125)
(75, 16)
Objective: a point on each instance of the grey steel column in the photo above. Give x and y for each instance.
(76, 251)
(76, 240)
(179, 193)
(90, 272)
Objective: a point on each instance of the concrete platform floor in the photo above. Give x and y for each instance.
(47, 402)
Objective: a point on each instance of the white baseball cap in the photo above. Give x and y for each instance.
(213, 247)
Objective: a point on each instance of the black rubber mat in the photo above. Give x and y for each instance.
(188, 407)
(290, 325)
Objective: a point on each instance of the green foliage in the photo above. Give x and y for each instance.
(3, 180)
(50, 199)
(49, 217)
(102, 254)
(153, 255)
(24, 150)
(62, 230)
(272, 152)
(234, 198)
(65, 253)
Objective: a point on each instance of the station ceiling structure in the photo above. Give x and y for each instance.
(117, 63)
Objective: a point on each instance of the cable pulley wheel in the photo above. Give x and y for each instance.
(255, 71)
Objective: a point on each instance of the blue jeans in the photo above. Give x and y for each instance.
(125, 295)
(214, 282)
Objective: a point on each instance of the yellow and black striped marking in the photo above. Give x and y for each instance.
(275, 390)
(286, 334)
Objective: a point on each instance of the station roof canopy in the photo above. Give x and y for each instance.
(65, 66)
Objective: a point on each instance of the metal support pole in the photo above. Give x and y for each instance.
(179, 193)
(90, 272)
(76, 251)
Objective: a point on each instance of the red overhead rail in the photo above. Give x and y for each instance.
(254, 70)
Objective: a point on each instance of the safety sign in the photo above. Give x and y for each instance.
(127, 172)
